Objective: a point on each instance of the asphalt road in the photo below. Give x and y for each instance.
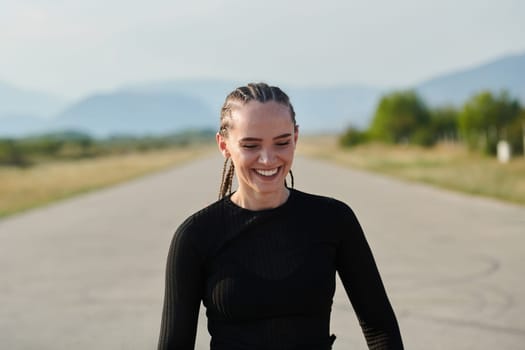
(88, 273)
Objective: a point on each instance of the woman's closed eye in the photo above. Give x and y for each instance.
(254, 145)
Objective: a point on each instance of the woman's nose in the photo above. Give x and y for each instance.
(266, 157)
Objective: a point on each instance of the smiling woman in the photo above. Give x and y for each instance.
(261, 148)
(263, 259)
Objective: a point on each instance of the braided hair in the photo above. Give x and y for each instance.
(259, 92)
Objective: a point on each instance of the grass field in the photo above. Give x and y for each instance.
(25, 188)
(448, 166)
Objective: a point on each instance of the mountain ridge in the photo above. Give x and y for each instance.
(456, 87)
(18, 101)
(166, 106)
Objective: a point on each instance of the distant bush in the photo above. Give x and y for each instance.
(483, 120)
(398, 117)
(423, 137)
(486, 118)
(74, 145)
(514, 133)
(444, 123)
(11, 154)
(352, 137)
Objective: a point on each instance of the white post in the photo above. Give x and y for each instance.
(504, 152)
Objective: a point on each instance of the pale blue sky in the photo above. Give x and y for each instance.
(76, 47)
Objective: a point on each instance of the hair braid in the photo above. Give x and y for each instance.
(227, 178)
(221, 190)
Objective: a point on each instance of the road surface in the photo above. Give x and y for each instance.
(88, 272)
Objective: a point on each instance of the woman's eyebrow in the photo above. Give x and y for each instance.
(282, 136)
(255, 139)
(249, 139)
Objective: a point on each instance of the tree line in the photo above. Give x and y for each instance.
(71, 145)
(403, 117)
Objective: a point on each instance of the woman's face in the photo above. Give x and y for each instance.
(261, 143)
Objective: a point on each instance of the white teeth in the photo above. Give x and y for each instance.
(267, 172)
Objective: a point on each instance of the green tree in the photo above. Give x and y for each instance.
(352, 136)
(401, 116)
(515, 133)
(12, 154)
(444, 123)
(485, 119)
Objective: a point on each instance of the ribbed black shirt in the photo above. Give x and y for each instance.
(267, 278)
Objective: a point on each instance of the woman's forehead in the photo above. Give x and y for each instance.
(255, 112)
(262, 127)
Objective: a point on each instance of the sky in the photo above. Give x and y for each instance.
(76, 47)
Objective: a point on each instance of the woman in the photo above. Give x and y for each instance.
(263, 258)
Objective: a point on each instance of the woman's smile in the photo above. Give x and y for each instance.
(267, 173)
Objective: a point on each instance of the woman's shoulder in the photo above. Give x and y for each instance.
(202, 221)
(315, 209)
(320, 202)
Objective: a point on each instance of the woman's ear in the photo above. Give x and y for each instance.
(223, 147)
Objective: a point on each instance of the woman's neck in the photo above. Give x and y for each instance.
(260, 201)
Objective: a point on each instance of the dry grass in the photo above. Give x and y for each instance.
(447, 166)
(21, 189)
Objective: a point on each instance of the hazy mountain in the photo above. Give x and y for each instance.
(317, 108)
(333, 108)
(455, 88)
(168, 106)
(210, 92)
(134, 113)
(21, 125)
(14, 100)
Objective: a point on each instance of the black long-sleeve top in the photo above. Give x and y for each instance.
(267, 278)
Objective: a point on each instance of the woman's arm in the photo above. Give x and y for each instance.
(183, 293)
(363, 285)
